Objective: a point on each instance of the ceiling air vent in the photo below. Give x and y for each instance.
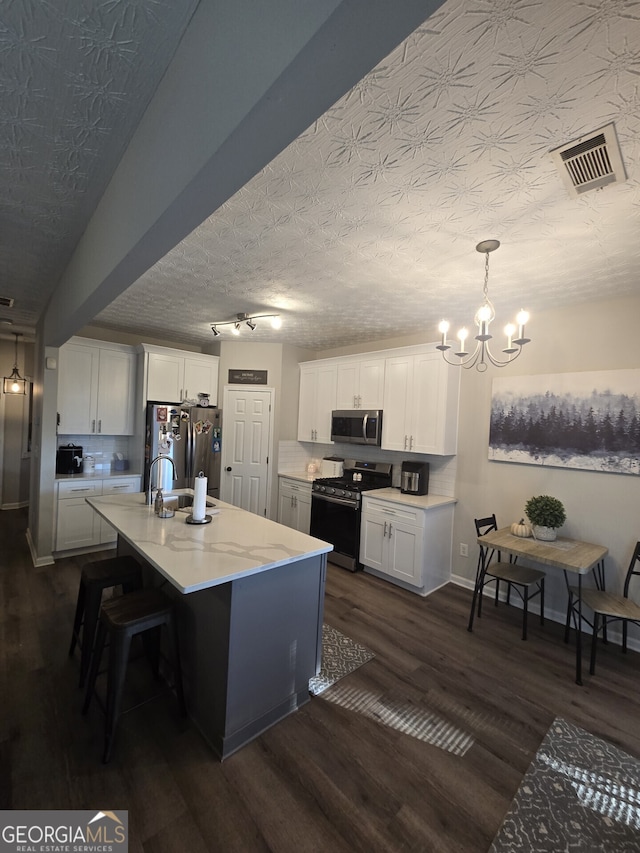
(590, 162)
(6, 302)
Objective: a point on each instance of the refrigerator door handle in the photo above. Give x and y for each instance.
(188, 452)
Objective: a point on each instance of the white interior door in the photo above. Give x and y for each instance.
(247, 429)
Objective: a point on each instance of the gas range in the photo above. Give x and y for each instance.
(357, 477)
(336, 508)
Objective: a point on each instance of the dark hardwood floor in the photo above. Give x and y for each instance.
(328, 778)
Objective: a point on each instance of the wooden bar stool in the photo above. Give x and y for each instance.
(141, 612)
(95, 578)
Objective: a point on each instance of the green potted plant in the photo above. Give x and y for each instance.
(546, 515)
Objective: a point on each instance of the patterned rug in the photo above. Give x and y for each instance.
(340, 656)
(580, 794)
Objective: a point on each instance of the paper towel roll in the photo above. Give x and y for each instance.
(199, 497)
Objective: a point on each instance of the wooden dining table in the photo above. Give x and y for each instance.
(573, 557)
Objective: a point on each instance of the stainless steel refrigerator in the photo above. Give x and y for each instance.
(192, 437)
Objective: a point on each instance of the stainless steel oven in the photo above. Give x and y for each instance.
(336, 507)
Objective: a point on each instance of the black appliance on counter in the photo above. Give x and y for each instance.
(69, 459)
(414, 478)
(356, 426)
(336, 504)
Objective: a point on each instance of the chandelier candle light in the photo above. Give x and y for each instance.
(483, 317)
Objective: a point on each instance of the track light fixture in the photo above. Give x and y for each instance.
(249, 319)
(482, 355)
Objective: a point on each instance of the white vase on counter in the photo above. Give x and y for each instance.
(544, 534)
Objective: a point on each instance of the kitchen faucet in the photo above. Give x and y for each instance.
(153, 462)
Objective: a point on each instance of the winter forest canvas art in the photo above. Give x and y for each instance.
(585, 420)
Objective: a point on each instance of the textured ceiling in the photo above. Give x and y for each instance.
(365, 227)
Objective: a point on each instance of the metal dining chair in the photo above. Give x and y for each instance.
(522, 578)
(609, 607)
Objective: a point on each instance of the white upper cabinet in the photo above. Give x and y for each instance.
(415, 388)
(420, 409)
(360, 383)
(317, 401)
(96, 388)
(175, 376)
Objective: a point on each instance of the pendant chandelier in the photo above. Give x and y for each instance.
(482, 356)
(15, 384)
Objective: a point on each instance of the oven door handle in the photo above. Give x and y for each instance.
(340, 501)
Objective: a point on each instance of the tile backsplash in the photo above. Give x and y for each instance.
(102, 447)
(294, 456)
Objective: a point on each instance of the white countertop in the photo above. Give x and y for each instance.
(197, 556)
(303, 476)
(106, 474)
(421, 501)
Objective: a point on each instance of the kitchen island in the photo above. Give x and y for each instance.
(249, 595)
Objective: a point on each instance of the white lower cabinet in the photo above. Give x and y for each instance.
(294, 504)
(408, 545)
(78, 525)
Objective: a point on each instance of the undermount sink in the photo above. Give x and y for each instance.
(178, 501)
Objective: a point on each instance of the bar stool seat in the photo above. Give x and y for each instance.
(95, 578)
(144, 612)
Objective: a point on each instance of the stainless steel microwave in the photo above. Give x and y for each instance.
(356, 426)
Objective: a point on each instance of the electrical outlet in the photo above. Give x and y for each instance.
(464, 549)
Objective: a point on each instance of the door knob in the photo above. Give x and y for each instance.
(229, 468)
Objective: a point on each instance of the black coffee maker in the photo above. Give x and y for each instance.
(69, 459)
(414, 478)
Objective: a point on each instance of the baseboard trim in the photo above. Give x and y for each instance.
(17, 505)
(37, 561)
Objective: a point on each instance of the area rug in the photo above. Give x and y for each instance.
(340, 656)
(580, 793)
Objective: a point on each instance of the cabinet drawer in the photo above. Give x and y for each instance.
(410, 515)
(79, 489)
(121, 484)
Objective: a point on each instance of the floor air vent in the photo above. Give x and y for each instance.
(6, 302)
(590, 162)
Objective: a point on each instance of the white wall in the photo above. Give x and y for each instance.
(601, 508)
(14, 486)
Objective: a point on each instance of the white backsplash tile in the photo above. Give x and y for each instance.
(294, 456)
(102, 447)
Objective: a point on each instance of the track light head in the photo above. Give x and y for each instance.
(216, 333)
(251, 324)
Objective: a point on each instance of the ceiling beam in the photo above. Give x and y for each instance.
(246, 80)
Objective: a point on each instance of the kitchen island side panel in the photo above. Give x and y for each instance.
(249, 648)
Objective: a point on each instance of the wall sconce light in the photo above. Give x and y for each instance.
(15, 384)
(249, 319)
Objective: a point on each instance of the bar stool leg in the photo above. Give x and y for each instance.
(77, 619)
(93, 596)
(118, 659)
(101, 638)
